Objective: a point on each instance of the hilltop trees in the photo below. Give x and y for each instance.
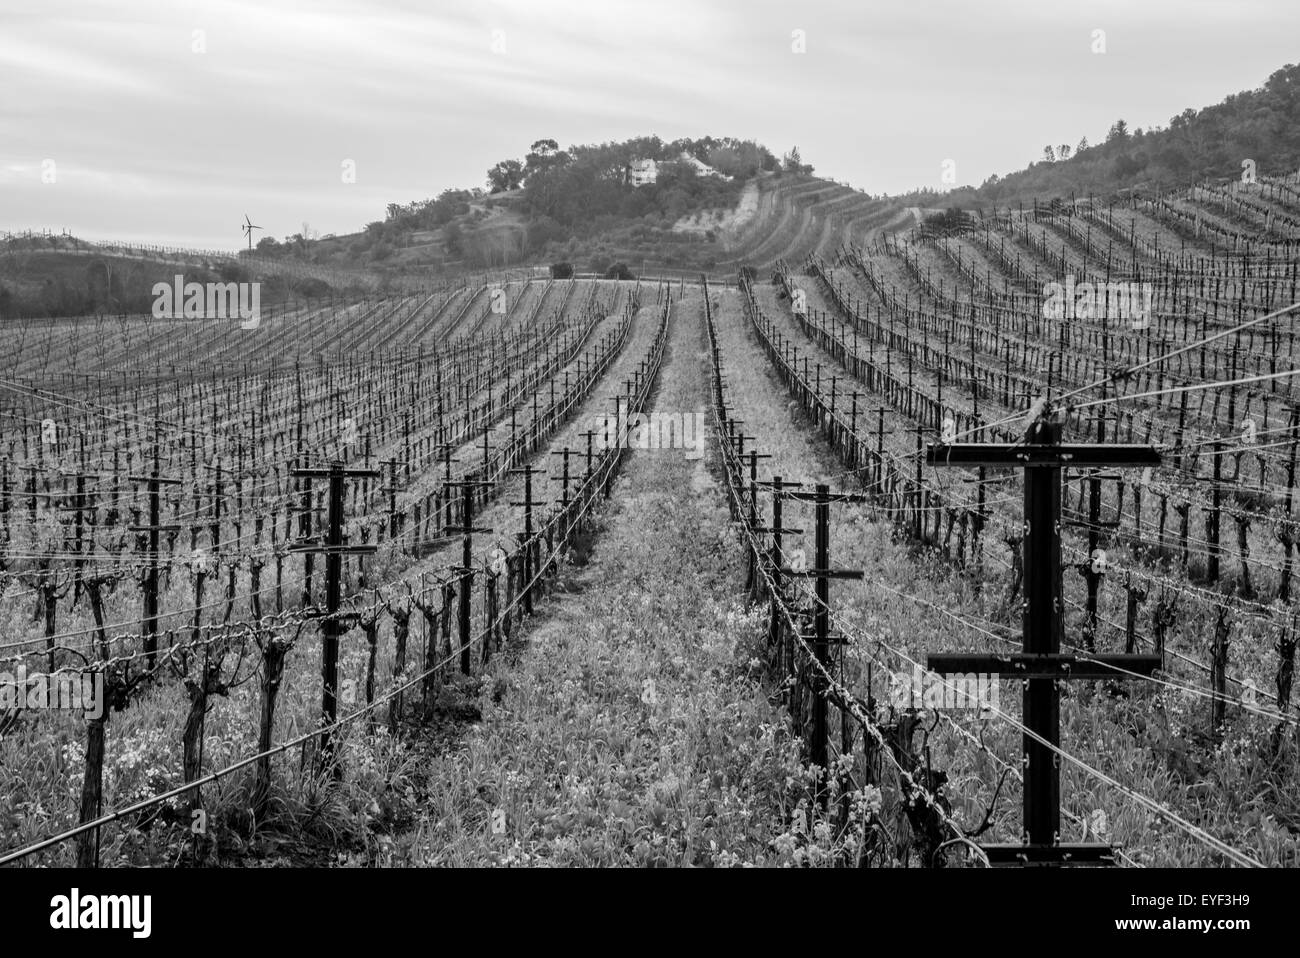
(585, 183)
(542, 156)
(1207, 144)
(506, 175)
(740, 159)
(586, 188)
(794, 162)
(428, 214)
(569, 197)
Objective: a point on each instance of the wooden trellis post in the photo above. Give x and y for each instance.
(150, 629)
(333, 623)
(527, 505)
(564, 479)
(821, 498)
(466, 569)
(1041, 665)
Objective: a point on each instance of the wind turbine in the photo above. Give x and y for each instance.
(248, 226)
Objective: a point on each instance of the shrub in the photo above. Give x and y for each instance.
(233, 273)
(313, 288)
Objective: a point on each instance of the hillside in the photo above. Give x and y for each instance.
(577, 206)
(808, 212)
(711, 205)
(62, 275)
(1255, 133)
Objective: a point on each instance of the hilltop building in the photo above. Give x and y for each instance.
(642, 172)
(701, 169)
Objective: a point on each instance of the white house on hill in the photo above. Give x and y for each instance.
(701, 169)
(643, 172)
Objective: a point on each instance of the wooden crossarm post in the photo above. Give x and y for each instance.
(1041, 664)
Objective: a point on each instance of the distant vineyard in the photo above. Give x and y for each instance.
(157, 490)
(275, 549)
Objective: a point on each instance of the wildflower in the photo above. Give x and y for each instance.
(784, 843)
(870, 800)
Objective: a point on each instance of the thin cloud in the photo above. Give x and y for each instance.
(151, 136)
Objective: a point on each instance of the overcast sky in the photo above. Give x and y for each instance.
(161, 134)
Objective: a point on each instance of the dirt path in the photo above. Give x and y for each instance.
(632, 729)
